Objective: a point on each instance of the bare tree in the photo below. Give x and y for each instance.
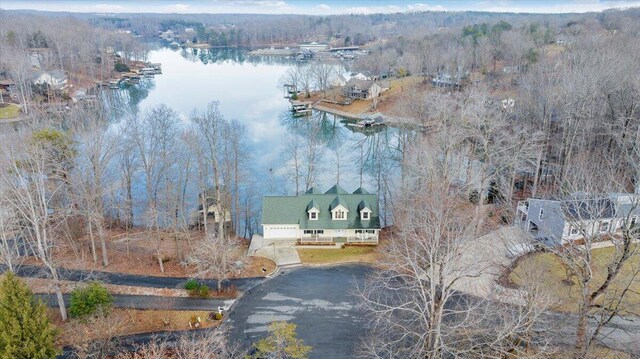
(414, 308)
(211, 344)
(218, 257)
(94, 158)
(594, 216)
(209, 126)
(33, 182)
(322, 74)
(155, 136)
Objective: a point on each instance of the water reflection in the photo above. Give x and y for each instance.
(247, 88)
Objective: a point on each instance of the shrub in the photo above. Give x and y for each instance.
(120, 67)
(191, 284)
(217, 316)
(202, 291)
(25, 329)
(91, 299)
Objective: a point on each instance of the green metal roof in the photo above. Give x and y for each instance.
(293, 210)
(336, 190)
(338, 201)
(363, 204)
(361, 190)
(313, 205)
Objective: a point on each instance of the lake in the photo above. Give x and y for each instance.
(248, 91)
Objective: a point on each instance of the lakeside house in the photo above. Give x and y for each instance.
(335, 216)
(7, 90)
(561, 221)
(56, 79)
(446, 80)
(361, 89)
(213, 216)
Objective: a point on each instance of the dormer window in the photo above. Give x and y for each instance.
(313, 215)
(339, 214)
(365, 215)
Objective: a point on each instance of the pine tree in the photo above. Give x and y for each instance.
(25, 330)
(282, 343)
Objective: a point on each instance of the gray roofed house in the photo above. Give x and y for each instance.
(333, 216)
(361, 89)
(569, 219)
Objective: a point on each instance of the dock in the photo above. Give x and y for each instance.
(301, 108)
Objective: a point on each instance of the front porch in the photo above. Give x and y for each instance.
(357, 239)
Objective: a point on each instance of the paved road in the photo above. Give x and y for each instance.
(318, 300)
(152, 302)
(75, 275)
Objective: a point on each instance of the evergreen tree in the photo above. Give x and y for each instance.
(25, 330)
(282, 343)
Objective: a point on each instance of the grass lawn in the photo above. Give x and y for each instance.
(546, 269)
(346, 254)
(9, 111)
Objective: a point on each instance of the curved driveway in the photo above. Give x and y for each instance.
(319, 300)
(151, 302)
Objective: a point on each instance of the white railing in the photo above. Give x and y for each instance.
(362, 240)
(316, 239)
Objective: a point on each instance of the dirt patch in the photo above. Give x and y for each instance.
(135, 252)
(125, 322)
(257, 267)
(45, 286)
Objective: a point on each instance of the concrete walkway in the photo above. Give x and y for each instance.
(152, 302)
(282, 251)
(483, 261)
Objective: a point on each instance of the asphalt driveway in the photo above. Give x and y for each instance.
(319, 300)
(243, 284)
(151, 302)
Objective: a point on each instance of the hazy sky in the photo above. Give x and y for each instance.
(317, 7)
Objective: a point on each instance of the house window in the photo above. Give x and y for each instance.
(359, 231)
(314, 231)
(633, 222)
(541, 215)
(365, 215)
(313, 216)
(574, 230)
(338, 214)
(371, 231)
(604, 226)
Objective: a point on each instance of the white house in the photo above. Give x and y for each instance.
(56, 78)
(333, 216)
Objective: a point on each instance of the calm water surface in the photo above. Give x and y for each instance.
(247, 88)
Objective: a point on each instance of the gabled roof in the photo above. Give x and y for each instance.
(363, 204)
(313, 190)
(336, 190)
(294, 210)
(584, 209)
(313, 205)
(361, 84)
(338, 201)
(361, 190)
